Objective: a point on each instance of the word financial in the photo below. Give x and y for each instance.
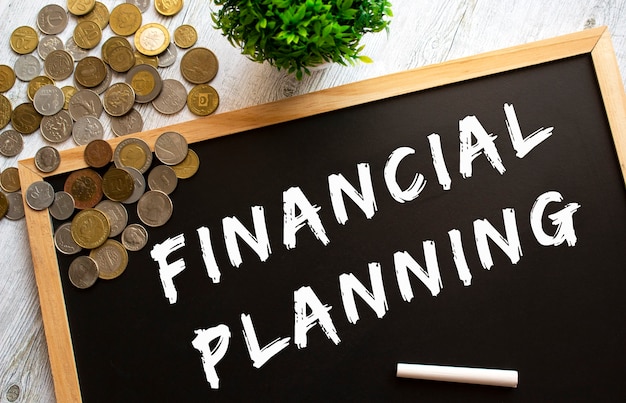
(299, 212)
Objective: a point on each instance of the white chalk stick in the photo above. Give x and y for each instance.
(479, 376)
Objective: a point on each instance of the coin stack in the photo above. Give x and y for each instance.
(92, 208)
(135, 50)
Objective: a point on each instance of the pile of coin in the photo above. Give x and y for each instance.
(92, 208)
(75, 110)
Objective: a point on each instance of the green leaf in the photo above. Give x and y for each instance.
(366, 59)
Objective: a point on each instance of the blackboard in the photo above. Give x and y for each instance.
(540, 291)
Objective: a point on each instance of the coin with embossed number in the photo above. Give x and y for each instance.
(117, 184)
(59, 64)
(63, 240)
(47, 159)
(133, 152)
(203, 100)
(10, 180)
(199, 65)
(90, 72)
(83, 272)
(11, 143)
(117, 215)
(24, 40)
(56, 128)
(27, 67)
(16, 206)
(85, 186)
(52, 19)
(62, 207)
(154, 208)
(7, 78)
(121, 58)
(168, 57)
(48, 100)
(111, 258)
(172, 98)
(80, 7)
(134, 237)
(98, 153)
(39, 195)
(171, 148)
(90, 228)
(163, 178)
(100, 15)
(188, 167)
(25, 119)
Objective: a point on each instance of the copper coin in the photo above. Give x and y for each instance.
(85, 186)
(98, 153)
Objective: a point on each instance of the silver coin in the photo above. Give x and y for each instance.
(39, 195)
(117, 215)
(77, 53)
(47, 159)
(49, 100)
(163, 178)
(134, 237)
(47, 44)
(172, 98)
(16, 206)
(63, 240)
(57, 128)
(142, 5)
(85, 103)
(135, 143)
(87, 129)
(171, 148)
(168, 57)
(118, 99)
(100, 88)
(62, 207)
(150, 93)
(83, 272)
(52, 19)
(11, 143)
(27, 67)
(132, 122)
(139, 185)
(154, 208)
(59, 64)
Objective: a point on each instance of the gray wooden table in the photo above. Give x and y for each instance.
(422, 32)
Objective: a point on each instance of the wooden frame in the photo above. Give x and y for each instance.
(595, 42)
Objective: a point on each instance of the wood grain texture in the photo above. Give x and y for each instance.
(422, 33)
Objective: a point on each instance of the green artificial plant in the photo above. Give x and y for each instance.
(298, 34)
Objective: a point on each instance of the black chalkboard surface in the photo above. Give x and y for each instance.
(480, 223)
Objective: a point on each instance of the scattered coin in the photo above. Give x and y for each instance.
(188, 167)
(56, 128)
(4, 205)
(87, 129)
(5, 111)
(83, 272)
(203, 100)
(133, 152)
(117, 184)
(163, 178)
(119, 99)
(152, 39)
(90, 228)
(59, 64)
(111, 258)
(27, 67)
(39, 195)
(146, 81)
(85, 103)
(154, 208)
(24, 40)
(47, 44)
(121, 58)
(125, 19)
(10, 180)
(117, 215)
(132, 122)
(80, 7)
(100, 88)
(63, 240)
(139, 185)
(171, 148)
(87, 34)
(185, 36)
(37, 83)
(168, 57)
(168, 7)
(85, 186)
(49, 100)
(69, 92)
(11, 143)
(99, 15)
(52, 19)
(90, 72)
(62, 207)
(7, 78)
(98, 153)
(140, 58)
(199, 65)
(172, 99)
(77, 53)
(16, 206)
(25, 119)
(134, 237)
(143, 5)
(112, 43)
(47, 159)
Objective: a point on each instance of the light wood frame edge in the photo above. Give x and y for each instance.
(595, 41)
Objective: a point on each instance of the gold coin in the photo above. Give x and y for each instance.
(188, 167)
(5, 111)
(199, 65)
(25, 118)
(99, 15)
(185, 36)
(80, 7)
(202, 100)
(143, 59)
(90, 228)
(10, 180)
(90, 72)
(125, 19)
(24, 40)
(37, 83)
(4, 205)
(111, 258)
(7, 78)
(117, 184)
(69, 92)
(168, 7)
(152, 39)
(87, 35)
(110, 44)
(121, 59)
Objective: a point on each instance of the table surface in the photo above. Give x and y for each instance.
(421, 33)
